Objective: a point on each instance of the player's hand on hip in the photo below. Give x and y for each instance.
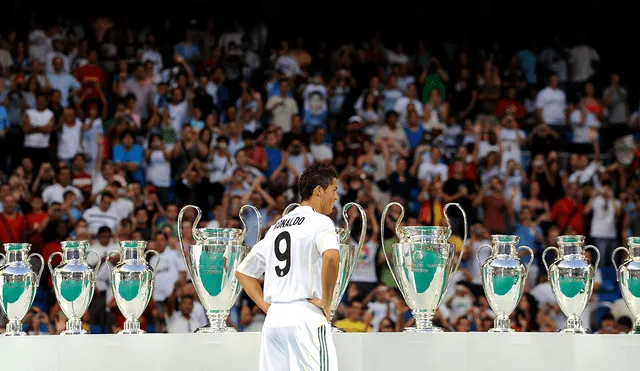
(326, 309)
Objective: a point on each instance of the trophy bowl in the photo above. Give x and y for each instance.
(422, 264)
(628, 274)
(212, 264)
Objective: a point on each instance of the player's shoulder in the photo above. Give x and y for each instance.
(321, 221)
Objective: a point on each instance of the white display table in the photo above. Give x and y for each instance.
(356, 352)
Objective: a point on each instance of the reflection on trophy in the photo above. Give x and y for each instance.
(74, 282)
(18, 284)
(503, 278)
(571, 277)
(422, 263)
(349, 254)
(212, 264)
(629, 278)
(132, 283)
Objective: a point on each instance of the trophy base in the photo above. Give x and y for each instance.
(576, 330)
(131, 332)
(215, 330)
(501, 330)
(427, 330)
(131, 327)
(74, 332)
(13, 333)
(14, 328)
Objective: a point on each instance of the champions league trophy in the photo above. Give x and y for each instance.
(422, 263)
(629, 278)
(503, 278)
(74, 282)
(212, 264)
(132, 282)
(571, 277)
(18, 284)
(349, 254)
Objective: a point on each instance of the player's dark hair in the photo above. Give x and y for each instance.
(313, 176)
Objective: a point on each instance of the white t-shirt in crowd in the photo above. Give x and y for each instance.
(178, 115)
(178, 323)
(511, 146)
(553, 103)
(321, 152)
(290, 256)
(582, 130)
(55, 193)
(167, 272)
(603, 218)
(97, 218)
(159, 169)
(429, 171)
(38, 119)
(282, 109)
(69, 144)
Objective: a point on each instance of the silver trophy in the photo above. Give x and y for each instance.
(571, 277)
(422, 263)
(349, 254)
(132, 282)
(212, 264)
(503, 278)
(74, 282)
(629, 278)
(18, 284)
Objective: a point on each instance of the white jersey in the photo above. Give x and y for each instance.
(290, 256)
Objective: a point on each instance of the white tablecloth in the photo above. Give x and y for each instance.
(356, 352)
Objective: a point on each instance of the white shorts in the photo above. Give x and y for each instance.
(297, 337)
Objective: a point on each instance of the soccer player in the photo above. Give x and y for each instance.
(299, 257)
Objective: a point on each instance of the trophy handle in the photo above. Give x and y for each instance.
(384, 217)
(244, 224)
(363, 232)
(613, 260)
(597, 255)
(153, 252)
(194, 226)
(109, 265)
(41, 265)
(531, 254)
(544, 254)
(97, 267)
(194, 232)
(478, 253)
(288, 209)
(382, 226)
(3, 258)
(464, 241)
(51, 258)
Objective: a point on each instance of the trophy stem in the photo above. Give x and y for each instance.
(74, 327)
(502, 323)
(424, 322)
(217, 323)
(574, 325)
(131, 326)
(14, 328)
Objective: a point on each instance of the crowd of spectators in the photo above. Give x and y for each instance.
(107, 131)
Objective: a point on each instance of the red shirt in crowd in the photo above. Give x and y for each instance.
(13, 229)
(89, 75)
(566, 213)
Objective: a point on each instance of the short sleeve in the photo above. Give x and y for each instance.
(254, 264)
(326, 237)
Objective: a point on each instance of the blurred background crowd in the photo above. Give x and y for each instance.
(107, 129)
